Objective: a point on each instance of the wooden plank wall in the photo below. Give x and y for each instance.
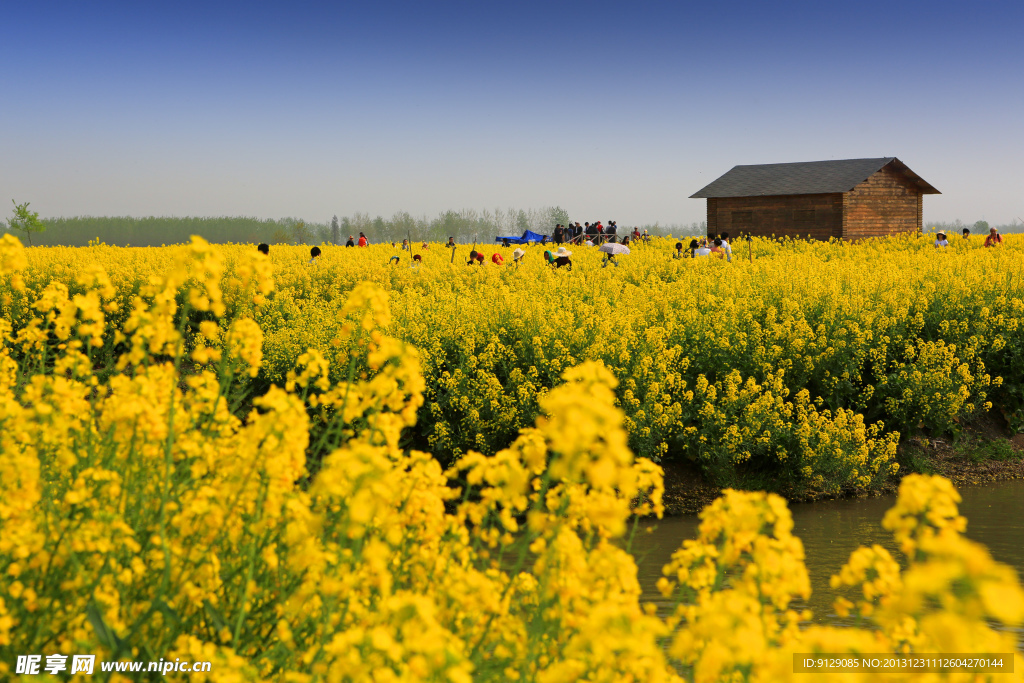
(776, 215)
(884, 204)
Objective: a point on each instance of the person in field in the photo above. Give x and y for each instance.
(561, 258)
(702, 248)
(558, 234)
(967, 232)
(362, 240)
(940, 240)
(405, 245)
(497, 259)
(994, 239)
(717, 251)
(518, 255)
(726, 247)
(451, 243)
(314, 254)
(351, 241)
(264, 249)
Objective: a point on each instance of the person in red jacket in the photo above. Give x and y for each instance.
(994, 239)
(498, 259)
(362, 240)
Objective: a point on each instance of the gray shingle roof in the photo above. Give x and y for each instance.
(805, 177)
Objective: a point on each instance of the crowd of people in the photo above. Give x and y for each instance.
(595, 234)
(717, 247)
(993, 239)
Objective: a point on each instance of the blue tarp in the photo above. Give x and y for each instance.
(528, 236)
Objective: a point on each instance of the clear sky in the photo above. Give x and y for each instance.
(611, 110)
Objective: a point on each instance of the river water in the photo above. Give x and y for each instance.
(831, 530)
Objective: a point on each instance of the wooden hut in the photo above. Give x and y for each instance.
(848, 199)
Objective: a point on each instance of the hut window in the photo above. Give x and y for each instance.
(742, 217)
(803, 215)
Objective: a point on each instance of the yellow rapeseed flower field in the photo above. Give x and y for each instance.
(800, 370)
(212, 455)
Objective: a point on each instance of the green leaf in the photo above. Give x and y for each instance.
(104, 632)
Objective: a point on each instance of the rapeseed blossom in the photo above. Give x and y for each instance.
(205, 455)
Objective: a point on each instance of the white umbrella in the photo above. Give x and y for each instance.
(613, 248)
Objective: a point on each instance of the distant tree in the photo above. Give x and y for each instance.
(280, 237)
(303, 235)
(335, 231)
(981, 226)
(403, 225)
(559, 216)
(26, 221)
(522, 220)
(380, 230)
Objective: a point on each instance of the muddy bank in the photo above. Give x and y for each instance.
(984, 452)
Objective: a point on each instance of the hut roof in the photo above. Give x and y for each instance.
(805, 177)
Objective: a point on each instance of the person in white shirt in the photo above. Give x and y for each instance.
(940, 240)
(703, 249)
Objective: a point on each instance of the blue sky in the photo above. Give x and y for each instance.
(611, 110)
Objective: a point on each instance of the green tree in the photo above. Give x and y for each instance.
(559, 216)
(26, 221)
(522, 220)
(302, 234)
(981, 226)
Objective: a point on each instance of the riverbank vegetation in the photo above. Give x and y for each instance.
(158, 498)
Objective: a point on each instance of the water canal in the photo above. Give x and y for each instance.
(831, 530)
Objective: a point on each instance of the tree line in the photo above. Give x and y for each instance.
(467, 225)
